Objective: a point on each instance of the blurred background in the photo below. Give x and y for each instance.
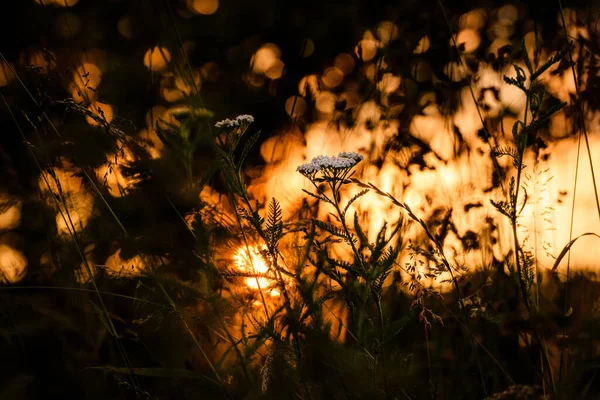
(415, 86)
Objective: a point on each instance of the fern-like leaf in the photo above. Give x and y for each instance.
(363, 240)
(380, 243)
(331, 229)
(274, 227)
(346, 266)
(553, 60)
(503, 207)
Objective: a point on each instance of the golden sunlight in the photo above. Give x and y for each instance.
(202, 7)
(325, 104)
(124, 267)
(275, 70)
(188, 83)
(103, 112)
(111, 173)
(508, 14)
(332, 77)
(295, 106)
(467, 40)
(265, 58)
(157, 58)
(345, 63)
(87, 74)
(13, 264)
(474, 19)
(77, 205)
(423, 45)
(367, 49)
(6, 73)
(85, 80)
(57, 3)
(250, 260)
(10, 213)
(387, 31)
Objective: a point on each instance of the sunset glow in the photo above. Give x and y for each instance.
(157, 58)
(251, 261)
(296, 200)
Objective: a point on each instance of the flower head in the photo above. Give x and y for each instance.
(244, 119)
(330, 165)
(308, 169)
(352, 155)
(226, 123)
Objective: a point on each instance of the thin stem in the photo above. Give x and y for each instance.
(514, 199)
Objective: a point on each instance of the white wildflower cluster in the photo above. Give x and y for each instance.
(344, 160)
(244, 119)
(352, 155)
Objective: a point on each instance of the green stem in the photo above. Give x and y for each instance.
(521, 141)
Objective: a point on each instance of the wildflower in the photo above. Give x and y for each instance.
(244, 119)
(226, 123)
(308, 169)
(353, 155)
(344, 161)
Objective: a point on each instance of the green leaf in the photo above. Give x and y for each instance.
(362, 237)
(274, 225)
(516, 133)
(503, 207)
(553, 60)
(331, 229)
(341, 264)
(566, 249)
(505, 151)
